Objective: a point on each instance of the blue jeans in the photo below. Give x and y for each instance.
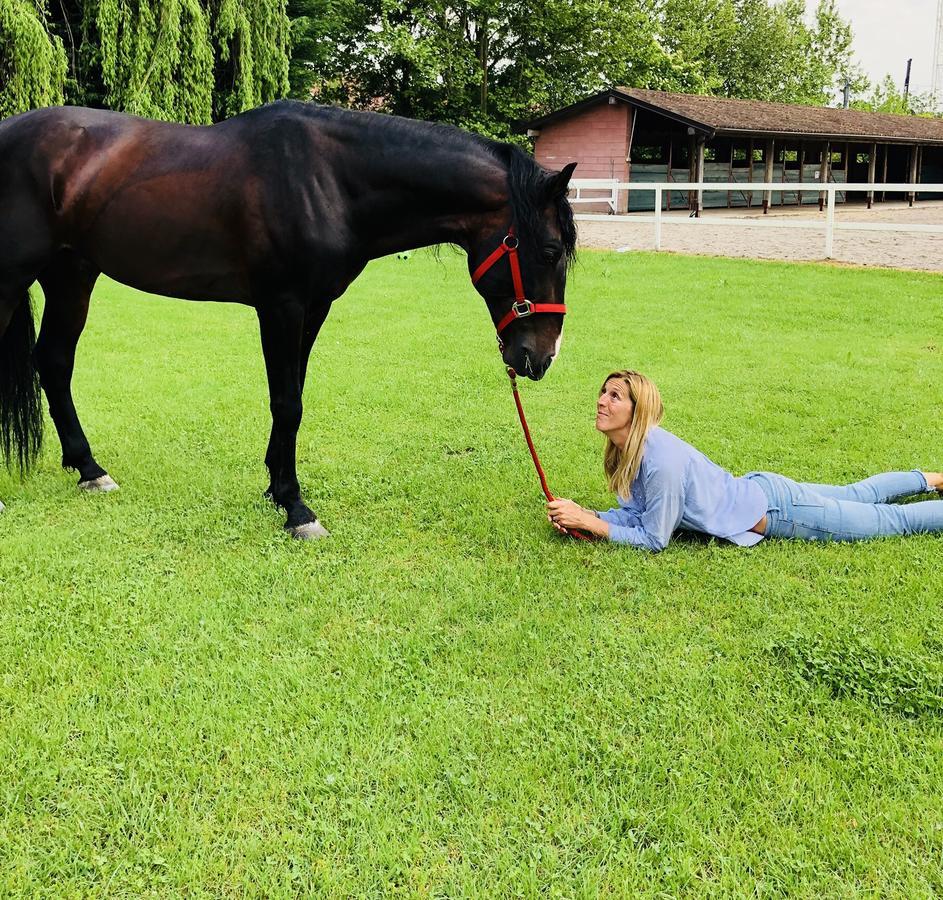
(855, 512)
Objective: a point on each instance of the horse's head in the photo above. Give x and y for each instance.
(538, 242)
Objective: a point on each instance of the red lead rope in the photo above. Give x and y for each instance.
(519, 309)
(530, 445)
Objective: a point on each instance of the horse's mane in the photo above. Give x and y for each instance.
(527, 180)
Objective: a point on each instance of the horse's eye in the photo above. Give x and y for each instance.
(552, 254)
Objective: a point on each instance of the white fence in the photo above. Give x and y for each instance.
(607, 191)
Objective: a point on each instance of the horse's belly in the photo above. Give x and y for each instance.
(173, 277)
(172, 239)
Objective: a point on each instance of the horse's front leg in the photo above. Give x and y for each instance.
(282, 328)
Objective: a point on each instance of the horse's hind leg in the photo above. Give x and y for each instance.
(67, 283)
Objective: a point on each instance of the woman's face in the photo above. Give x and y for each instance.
(614, 408)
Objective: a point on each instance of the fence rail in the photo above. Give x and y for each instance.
(607, 191)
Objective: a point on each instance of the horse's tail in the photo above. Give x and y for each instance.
(21, 410)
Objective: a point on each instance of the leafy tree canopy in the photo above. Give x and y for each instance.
(481, 64)
(187, 60)
(886, 97)
(485, 64)
(32, 61)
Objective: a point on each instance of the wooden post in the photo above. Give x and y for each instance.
(872, 171)
(912, 179)
(671, 144)
(782, 180)
(768, 175)
(730, 173)
(692, 171)
(750, 171)
(884, 179)
(847, 164)
(801, 170)
(823, 172)
(700, 175)
(628, 162)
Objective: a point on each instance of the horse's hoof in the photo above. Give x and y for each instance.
(104, 484)
(310, 531)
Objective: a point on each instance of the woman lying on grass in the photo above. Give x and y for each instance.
(664, 484)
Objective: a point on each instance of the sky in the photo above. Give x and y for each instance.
(888, 33)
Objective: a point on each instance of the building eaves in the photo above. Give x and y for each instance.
(720, 115)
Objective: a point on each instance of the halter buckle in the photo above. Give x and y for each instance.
(522, 309)
(507, 241)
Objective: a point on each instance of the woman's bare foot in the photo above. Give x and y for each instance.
(935, 480)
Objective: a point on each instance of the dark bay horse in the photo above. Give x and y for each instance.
(280, 209)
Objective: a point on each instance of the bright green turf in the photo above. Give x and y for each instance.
(445, 699)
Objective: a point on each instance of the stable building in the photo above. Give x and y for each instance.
(635, 135)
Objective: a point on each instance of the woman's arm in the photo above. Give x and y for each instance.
(563, 513)
(664, 509)
(651, 529)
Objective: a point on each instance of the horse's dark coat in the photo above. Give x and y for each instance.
(279, 208)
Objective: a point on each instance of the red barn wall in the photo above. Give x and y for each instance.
(597, 139)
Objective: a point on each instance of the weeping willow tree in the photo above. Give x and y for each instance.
(191, 60)
(181, 60)
(156, 58)
(253, 43)
(32, 61)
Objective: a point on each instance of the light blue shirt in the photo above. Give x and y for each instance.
(676, 487)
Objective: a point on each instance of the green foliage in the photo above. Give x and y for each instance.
(32, 61)
(253, 41)
(860, 666)
(192, 60)
(886, 97)
(760, 50)
(479, 64)
(487, 65)
(156, 58)
(183, 60)
(483, 65)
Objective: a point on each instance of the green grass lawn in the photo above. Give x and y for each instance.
(445, 698)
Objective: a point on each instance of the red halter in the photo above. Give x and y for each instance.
(522, 307)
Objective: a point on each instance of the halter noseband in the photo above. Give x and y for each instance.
(522, 307)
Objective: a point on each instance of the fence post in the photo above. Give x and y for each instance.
(830, 220)
(658, 218)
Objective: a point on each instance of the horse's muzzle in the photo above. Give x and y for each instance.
(527, 362)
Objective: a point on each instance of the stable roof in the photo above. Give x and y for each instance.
(723, 116)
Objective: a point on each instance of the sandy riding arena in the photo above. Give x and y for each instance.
(867, 248)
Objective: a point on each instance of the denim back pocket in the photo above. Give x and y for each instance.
(811, 519)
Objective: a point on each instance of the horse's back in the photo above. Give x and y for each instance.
(156, 205)
(283, 195)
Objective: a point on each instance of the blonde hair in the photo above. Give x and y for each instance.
(621, 464)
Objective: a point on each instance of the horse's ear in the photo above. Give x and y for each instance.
(556, 186)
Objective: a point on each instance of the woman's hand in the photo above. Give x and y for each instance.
(565, 514)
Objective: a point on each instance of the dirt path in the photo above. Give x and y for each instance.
(867, 248)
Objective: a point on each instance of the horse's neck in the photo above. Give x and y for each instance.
(433, 197)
